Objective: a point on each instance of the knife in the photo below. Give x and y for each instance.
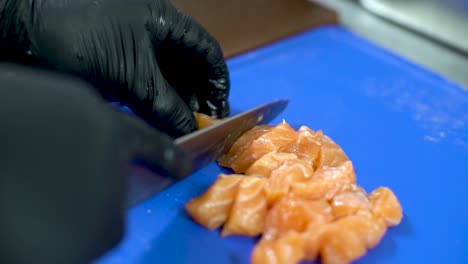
(208, 144)
(203, 147)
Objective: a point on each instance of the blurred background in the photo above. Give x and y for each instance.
(431, 33)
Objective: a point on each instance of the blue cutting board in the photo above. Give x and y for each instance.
(402, 126)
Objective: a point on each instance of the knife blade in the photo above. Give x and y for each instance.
(208, 144)
(203, 147)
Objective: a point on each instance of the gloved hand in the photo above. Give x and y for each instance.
(142, 53)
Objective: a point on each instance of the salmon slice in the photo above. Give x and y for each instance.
(248, 212)
(384, 203)
(300, 192)
(281, 178)
(269, 162)
(307, 146)
(286, 250)
(312, 237)
(352, 187)
(204, 120)
(292, 213)
(212, 208)
(272, 140)
(242, 144)
(331, 154)
(339, 245)
(366, 225)
(326, 182)
(349, 203)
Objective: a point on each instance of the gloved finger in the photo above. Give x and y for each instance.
(155, 100)
(200, 62)
(120, 62)
(155, 149)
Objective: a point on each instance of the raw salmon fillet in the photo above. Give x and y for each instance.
(307, 146)
(298, 191)
(204, 120)
(385, 204)
(242, 144)
(366, 225)
(286, 250)
(279, 182)
(269, 162)
(272, 140)
(339, 245)
(212, 208)
(349, 203)
(292, 213)
(312, 240)
(326, 182)
(331, 154)
(248, 212)
(332, 243)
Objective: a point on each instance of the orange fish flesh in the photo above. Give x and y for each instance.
(326, 182)
(307, 146)
(331, 154)
(366, 225)
(269, 162)
(270, 141)
(204, 121)
(299, 192)
(242, 144)
(286, 250)
(212, 208)
(280, 180)
(349, 203)
(248, 212)
(292, 213)
(384, 203)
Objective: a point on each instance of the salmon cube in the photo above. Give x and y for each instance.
(248, 212)
(384, 203)
(212, 208)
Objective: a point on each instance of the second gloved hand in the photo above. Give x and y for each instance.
(142, 53)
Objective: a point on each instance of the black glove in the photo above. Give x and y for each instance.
(142, 53)
(64, 160)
